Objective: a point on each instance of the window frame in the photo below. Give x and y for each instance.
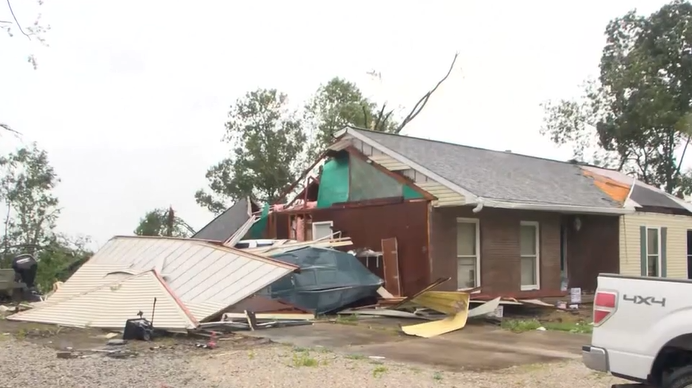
(536, 257)
(659, 262)
(477, 223)
(318, 223)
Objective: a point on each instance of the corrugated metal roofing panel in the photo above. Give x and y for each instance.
(111, 305)
(199, 273)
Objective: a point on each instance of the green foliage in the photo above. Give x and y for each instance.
(270, 145)
(60, 259)
(27, 181)
(163, 222)
(637, 113)
(267, 139)
(31, 207)
(340, 103)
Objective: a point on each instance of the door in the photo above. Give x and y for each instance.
(390, 259)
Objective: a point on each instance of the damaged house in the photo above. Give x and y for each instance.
(513, 225)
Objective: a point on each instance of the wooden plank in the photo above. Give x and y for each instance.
(390, 259)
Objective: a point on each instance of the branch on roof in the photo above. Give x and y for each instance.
(424, 100)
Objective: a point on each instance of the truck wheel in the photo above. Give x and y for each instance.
(680, 378)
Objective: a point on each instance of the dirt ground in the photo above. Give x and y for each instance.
(372, 355)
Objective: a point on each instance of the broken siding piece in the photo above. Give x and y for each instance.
(110, 305)
(204, 276)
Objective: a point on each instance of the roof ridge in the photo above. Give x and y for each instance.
(570, 162)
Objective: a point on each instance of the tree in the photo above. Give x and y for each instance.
(26, 188)
(33, 32)
(163, 222)
(271, 146)
(36, 31)
(266, 140)
(637, 113)
(340, 103)
(61, 259)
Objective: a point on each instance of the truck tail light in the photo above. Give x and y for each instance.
(604, 305)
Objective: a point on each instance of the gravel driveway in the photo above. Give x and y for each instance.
(27, 365)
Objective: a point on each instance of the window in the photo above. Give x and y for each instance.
(653, 252)
(529, 243)
(468, 253)
(322, 229)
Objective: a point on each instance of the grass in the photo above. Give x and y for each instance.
(379, 371)
(355, 356)
(347, 319)
(302, 358)
(437, 376)
(523, 325)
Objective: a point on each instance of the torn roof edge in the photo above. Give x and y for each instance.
(211, 244)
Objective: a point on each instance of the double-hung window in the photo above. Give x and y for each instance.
(653, 251)
(529, 246)
(468, 253)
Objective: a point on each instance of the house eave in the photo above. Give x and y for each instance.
(554, 207)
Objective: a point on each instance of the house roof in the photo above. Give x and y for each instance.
(206, 277)
(642, 194)
(499, 175)
(225, 224)
(510, 178)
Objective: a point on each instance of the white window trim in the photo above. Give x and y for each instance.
(658, 254)
(476, 222)
(537, 286)
(318, 223)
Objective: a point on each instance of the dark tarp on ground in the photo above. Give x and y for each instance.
(328, 280)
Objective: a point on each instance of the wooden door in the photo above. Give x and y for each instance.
(390, 260)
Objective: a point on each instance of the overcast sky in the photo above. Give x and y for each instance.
(131, 96)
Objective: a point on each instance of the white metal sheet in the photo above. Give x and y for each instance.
(109, 306)
(200, 274)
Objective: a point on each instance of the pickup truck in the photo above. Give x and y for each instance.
(642, 330)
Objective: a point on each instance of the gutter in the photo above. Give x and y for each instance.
(549, 207)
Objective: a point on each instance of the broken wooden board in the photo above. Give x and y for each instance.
(390, 260)
(271, 316)
(384, 293)
(384, 313)
(430, 287)
(448, 302)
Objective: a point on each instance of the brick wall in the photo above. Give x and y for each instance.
(500, 257)
(592, 250)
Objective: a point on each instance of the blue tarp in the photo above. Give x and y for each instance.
(329, 280)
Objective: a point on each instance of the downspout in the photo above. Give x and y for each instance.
(479, 206)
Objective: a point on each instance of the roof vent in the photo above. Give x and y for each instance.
(508, 151)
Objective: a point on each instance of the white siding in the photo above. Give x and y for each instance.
(109, 306)
(89, 277)
(389, 163)
(676, 242)
(445, 196)
(197, 272)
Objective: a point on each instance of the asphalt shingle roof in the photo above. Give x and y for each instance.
(227, 223)
(499, 175)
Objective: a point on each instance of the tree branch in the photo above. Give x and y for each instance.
(19, 26)
(424, 100)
